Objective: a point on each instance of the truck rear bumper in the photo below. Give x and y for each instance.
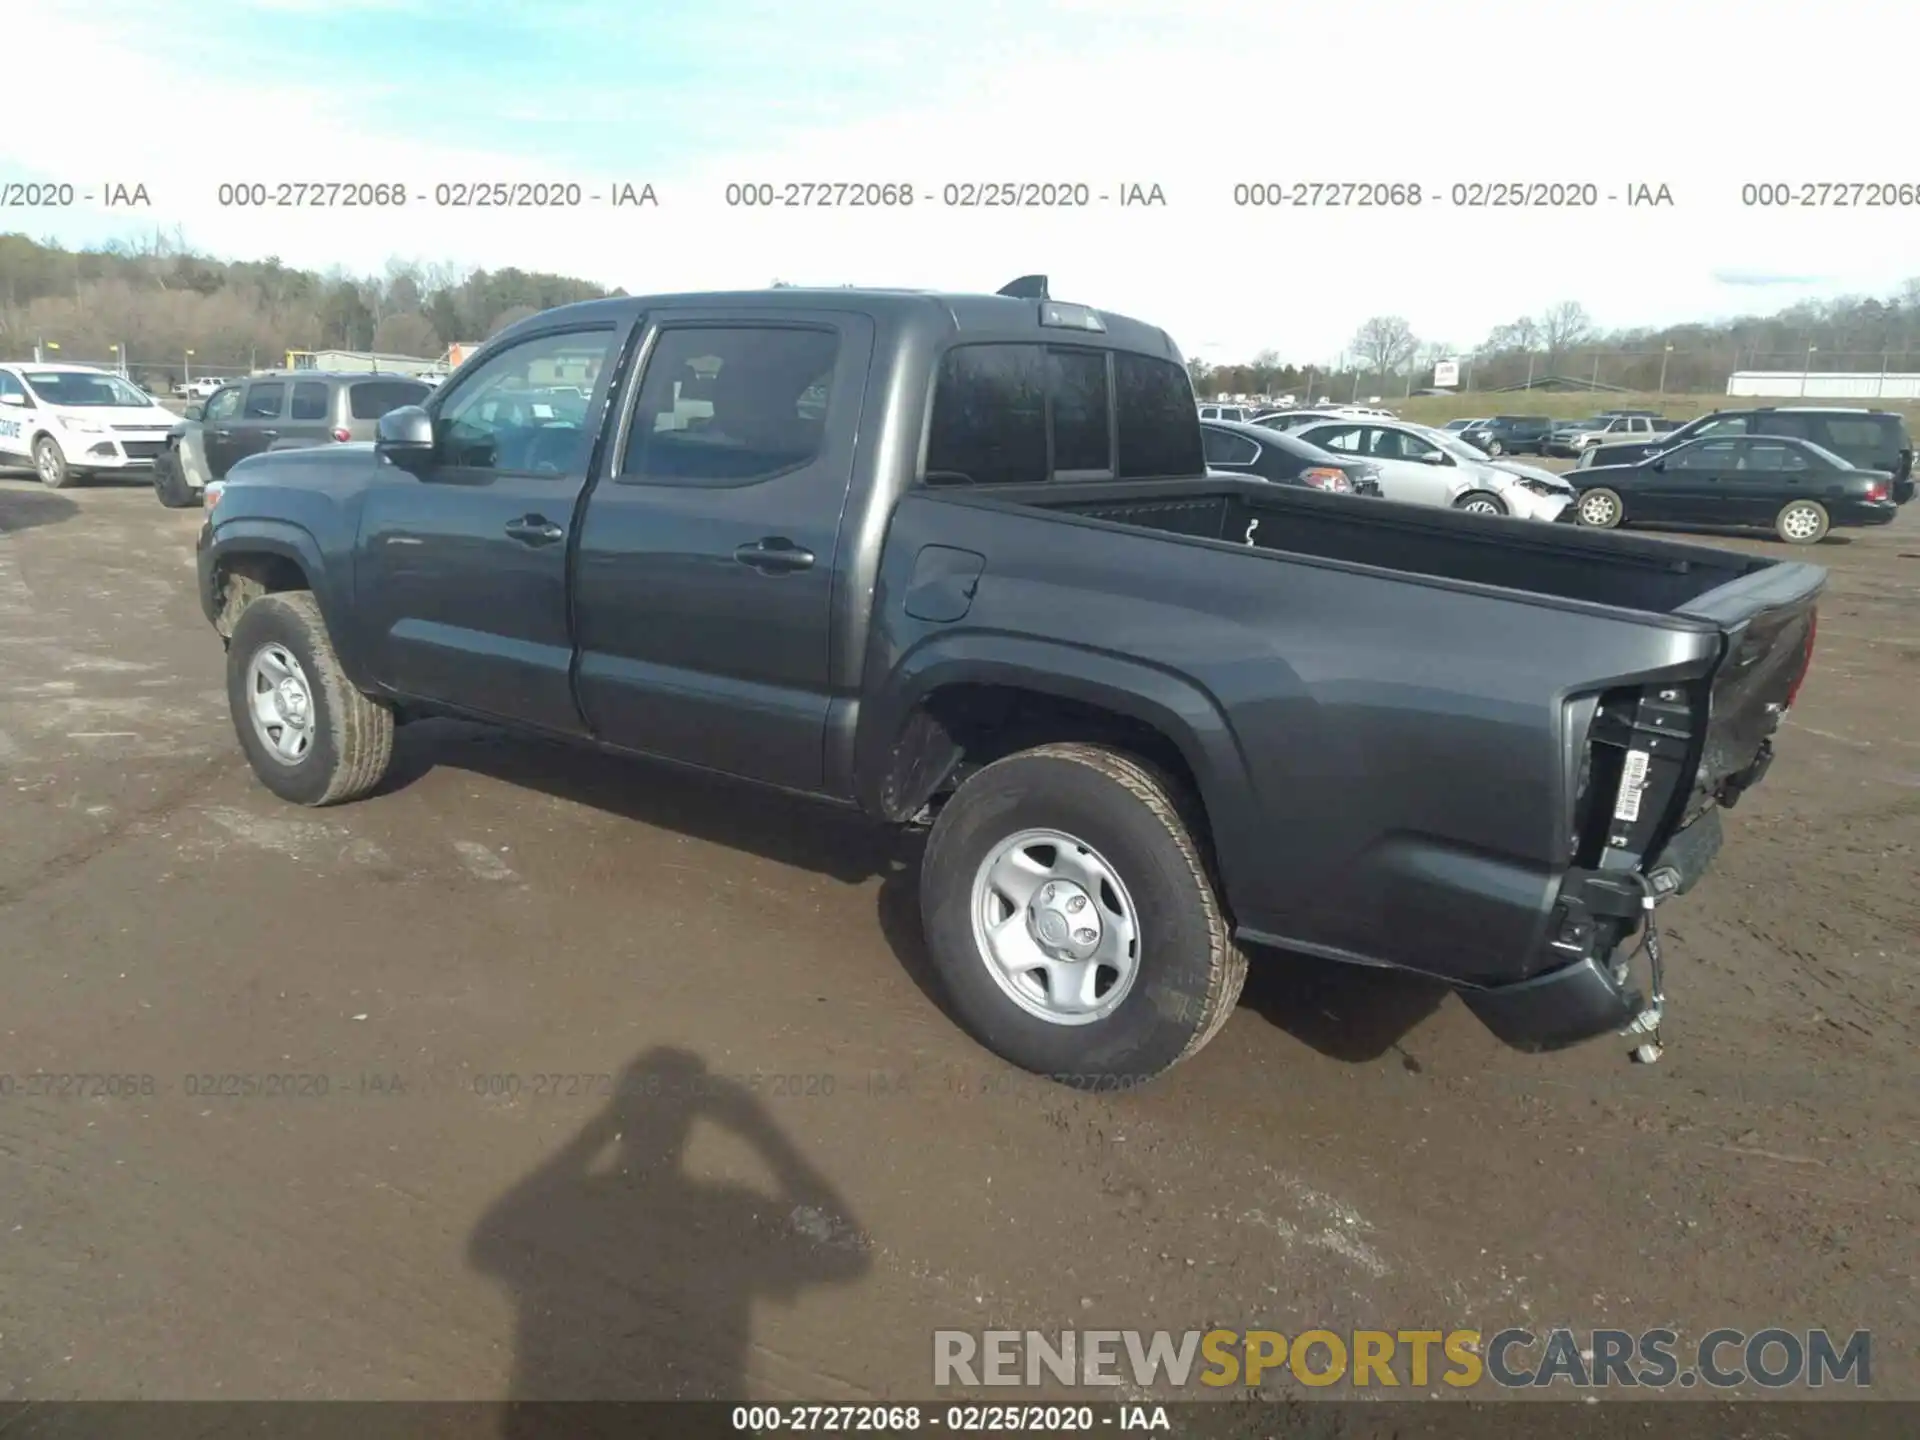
(1563, 1007)
(1594, 996)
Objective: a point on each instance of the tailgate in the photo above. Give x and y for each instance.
(1769, 619)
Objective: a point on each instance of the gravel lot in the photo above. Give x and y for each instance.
(462, 960)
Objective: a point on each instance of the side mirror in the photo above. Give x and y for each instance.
(1437, 457)
(405, 436)
(195, 412)
(1659, 464)
(16, 400)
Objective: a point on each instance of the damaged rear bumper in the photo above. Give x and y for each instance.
(1591, 993)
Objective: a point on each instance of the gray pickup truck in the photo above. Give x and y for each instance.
(955, 561)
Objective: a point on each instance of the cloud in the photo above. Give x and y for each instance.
(1758, 279)
(1194, 97)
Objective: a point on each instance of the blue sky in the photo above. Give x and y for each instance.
(181, 95)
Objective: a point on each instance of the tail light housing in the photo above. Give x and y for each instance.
(1806, 660)
(342, 434)
(1879, 490)
(1321, 478)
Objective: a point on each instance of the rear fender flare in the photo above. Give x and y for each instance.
(1173, 705)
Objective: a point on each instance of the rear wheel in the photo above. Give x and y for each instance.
(1802, 522)
(50, 463)
(1481, 502)
(309, 735)
(1072, 920)
(1601, 509)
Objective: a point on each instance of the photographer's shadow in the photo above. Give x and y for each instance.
(636, 1281)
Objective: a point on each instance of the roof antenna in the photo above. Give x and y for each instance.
(1027, 287)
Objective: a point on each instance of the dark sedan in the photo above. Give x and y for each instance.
(1795, 488)
(1271, 455)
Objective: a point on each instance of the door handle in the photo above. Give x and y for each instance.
(534, 530)
(774, 555)
(270, 433)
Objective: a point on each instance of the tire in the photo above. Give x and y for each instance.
(1494, 447)
(1802, 522)
(1186, 971)
(349, 738)
(172, 489)
(50, 464)
(1481, 502)
(1601, 508)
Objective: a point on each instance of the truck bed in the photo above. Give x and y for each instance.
(1622, 571)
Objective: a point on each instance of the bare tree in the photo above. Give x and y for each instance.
(1565, 327)
(1386, 342)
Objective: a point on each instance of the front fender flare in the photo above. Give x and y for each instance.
(285, 540)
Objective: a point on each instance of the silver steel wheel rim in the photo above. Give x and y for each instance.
(1055, 927)
(48, 462)
(1597, 510)
(1481, 507)
(1800, 522)
(280, 702)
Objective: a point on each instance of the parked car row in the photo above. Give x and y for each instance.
(962, 563)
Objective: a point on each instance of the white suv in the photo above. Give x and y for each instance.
(68, 421)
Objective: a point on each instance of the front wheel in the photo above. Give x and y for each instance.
(50, 463)
(1494, 447)
(171, 487)
(1601, 509)
(309, 735)
(1072, 920)
(1481, 502)
(1802, 522)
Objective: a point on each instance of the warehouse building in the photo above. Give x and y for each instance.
(367, 361)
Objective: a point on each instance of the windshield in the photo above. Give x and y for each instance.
(71, 389)
(1456, 447)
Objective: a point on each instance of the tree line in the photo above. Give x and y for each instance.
(151, 300)
(1386, 357)
(156, 299)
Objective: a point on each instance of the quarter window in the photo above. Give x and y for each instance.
(309, 400)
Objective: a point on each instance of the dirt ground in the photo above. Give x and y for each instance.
(463, 961)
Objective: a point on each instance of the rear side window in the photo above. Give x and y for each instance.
(1794, 425)
(1223, 447)
(1154, 401)
(370, 399)
(309, 400)
(990, 415)
(264, 401)
(731, 405)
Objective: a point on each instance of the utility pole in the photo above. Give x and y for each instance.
(1665, 356)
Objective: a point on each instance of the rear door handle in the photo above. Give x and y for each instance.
(774, 555)
(534, 530)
